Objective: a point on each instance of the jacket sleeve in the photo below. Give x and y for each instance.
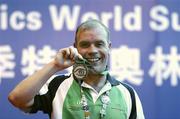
(139, 109)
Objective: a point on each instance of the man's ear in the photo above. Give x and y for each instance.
(109, 45)
(74, 44)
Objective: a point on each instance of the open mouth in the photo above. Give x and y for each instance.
(93, 60)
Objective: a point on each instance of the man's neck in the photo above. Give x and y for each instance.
(96, 81)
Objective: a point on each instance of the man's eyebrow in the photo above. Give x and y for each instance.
(100, 41)
(84, 41)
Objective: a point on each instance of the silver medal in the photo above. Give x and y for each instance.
(80, 71)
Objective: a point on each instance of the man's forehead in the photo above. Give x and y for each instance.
(93, 33)
(93, 41)
(92, 36)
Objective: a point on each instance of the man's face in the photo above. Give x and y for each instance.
(94, 47)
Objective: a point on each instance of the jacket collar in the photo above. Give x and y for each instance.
(112, 80)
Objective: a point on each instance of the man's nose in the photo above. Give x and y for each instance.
(93, 49)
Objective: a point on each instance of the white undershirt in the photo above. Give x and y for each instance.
(95, 95)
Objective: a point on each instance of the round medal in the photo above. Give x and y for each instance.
(80, 71)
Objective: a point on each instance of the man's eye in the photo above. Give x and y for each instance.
(84, 45)
(100, 44)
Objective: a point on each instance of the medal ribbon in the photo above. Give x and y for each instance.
(82, 64)
(104, 99)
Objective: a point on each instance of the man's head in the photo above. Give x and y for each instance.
(93, 43)
(91, 24)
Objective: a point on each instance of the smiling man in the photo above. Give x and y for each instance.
(89, 92)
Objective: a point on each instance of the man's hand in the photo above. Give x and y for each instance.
(66, 57)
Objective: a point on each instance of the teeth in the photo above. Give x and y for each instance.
(93, 59)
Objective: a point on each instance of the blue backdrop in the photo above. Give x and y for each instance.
(145, 46)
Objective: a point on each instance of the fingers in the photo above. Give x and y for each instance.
(65, 53)
(76, 54)
(66, 57)
(70, 53)
(73, 52)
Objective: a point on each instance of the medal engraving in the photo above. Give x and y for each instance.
(80, 69)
